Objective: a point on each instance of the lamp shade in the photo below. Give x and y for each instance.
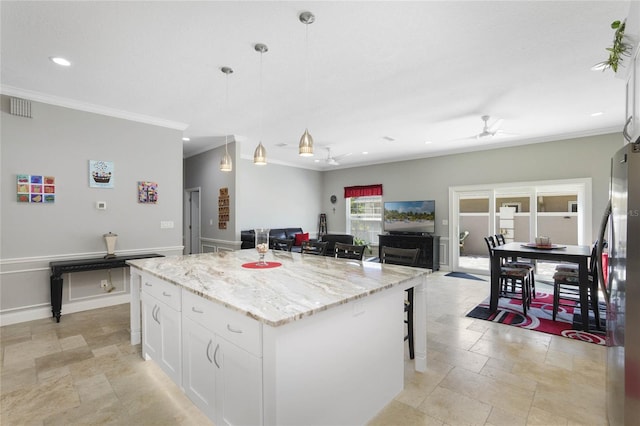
(226, 165)
(260, 155)
(305, 148)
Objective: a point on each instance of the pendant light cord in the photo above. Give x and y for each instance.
(306, 71)
(226, 103)
(261, 97)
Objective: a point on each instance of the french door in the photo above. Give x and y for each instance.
(560, 210)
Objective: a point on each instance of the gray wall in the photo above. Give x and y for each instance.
(430, 178)
(271, 196)
(60, 142)
(275, 196)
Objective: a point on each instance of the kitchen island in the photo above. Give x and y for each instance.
(311, 340)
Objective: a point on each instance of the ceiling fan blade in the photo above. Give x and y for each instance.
(495, 126)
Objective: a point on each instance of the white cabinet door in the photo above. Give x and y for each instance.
(152, 338)
(171, 331)
(199, 370)
(238, 385)
(161, 336)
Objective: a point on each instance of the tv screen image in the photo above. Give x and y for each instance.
(410, 216)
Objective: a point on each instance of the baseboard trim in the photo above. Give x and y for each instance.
(40, 312)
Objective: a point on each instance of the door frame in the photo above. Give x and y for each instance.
(582, 186)
(186, 232)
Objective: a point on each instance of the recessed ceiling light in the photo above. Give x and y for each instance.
(316, 161)
(185, 139)
(365, 152)
(427, 142)
(597, 114)
(60, 61)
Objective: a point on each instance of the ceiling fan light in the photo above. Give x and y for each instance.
(260, 155)
(305, 148)
(226, 165)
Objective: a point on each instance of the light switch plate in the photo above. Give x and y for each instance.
(166, 224)
(101, 205)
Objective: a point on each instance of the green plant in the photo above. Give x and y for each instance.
(619, 49)
(360, 242)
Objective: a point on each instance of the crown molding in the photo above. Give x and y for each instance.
(87, 107)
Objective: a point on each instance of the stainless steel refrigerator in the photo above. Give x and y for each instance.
(621, 223)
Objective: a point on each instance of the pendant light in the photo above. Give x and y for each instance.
(226, 165)
(305, 148)
(260, 154)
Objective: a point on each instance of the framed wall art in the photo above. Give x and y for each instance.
(101, 174)
(35, 188)
(147, 192)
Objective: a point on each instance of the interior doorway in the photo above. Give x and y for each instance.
(192, 221)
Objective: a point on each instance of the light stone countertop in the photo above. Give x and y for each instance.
(302, 286)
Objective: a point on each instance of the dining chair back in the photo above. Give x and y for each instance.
(282, 244)
(348, 251)
(314, 247)
(406, 257)
(500, 239)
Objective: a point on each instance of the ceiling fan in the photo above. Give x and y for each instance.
(489, 131)
(333, 160)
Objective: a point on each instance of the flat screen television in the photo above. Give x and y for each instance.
(411, 217)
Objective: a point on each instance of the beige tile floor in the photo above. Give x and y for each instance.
(83, 371)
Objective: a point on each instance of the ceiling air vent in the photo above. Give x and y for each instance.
(20, 107)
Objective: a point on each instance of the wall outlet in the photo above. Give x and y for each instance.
(104, 284)
(166, 224)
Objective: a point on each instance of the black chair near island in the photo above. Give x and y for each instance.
(406, 257)
(348, 251)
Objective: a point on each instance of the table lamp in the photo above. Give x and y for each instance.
(110, 240)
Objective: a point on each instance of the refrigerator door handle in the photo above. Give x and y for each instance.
(600, 248)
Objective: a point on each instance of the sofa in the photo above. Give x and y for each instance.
(248, 237)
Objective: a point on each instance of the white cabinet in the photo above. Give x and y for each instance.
(222, 365)
(238, 386)
(162, 326)
(198, 367)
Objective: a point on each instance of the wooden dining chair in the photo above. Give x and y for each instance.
(566, 287)
(406, 257)
(282, 244)
(348, 251)
(499, 240)
(314, 247)
(514, 282)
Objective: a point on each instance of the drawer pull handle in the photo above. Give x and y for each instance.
(197, 311)
(215, 353)
(148, 285)
(208, 349)
(166, 294)
(233, 330)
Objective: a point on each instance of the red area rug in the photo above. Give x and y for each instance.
(568, 322)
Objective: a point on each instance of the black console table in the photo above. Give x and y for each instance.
(80, 265)
(429, 246)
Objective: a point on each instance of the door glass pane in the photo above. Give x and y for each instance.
(473, 220)
(518, 227)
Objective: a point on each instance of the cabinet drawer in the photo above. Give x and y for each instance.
(235, 327)
(162, 290)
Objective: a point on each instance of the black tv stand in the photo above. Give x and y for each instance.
(428, 244)
(413, 233)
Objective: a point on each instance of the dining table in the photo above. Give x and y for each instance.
(577, 254)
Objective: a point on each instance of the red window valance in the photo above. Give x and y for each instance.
(362, 191)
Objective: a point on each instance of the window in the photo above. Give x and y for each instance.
(364, 218)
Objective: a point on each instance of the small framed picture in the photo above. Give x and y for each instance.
(101, 174)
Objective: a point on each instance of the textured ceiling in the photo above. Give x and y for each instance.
(398, 80)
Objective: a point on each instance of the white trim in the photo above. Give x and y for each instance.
(87, 107)
(22, 314)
